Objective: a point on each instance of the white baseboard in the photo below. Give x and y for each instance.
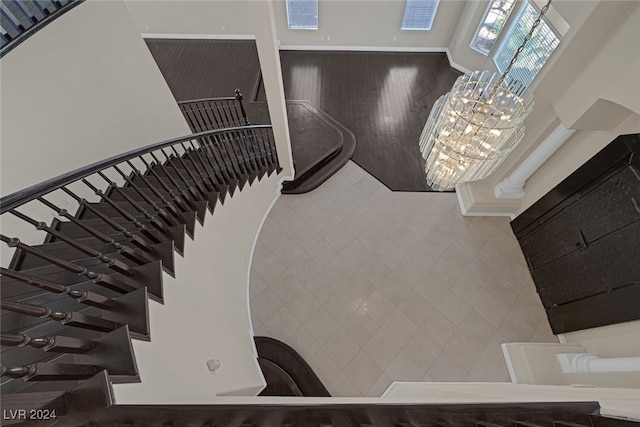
(362, 48)
(378, 49)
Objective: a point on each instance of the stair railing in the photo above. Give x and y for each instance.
(22, 18)
(71, 304)
(213, 113)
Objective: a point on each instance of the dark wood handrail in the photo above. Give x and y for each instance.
(18, 198)
(224, 98)
(38, 26)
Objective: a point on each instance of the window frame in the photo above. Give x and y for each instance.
(513, 26)
(432, 18)
(301, 27)
(483, 22)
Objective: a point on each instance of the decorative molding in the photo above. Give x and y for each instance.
(512, 187)
(467, 205)
(589, 362)
(198, 36)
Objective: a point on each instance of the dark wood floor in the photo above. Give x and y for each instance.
(206, 68)
(384, 98)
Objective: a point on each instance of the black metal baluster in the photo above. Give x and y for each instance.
(197, 183)
(124, 213)
(86, 297)
(174, 232)
(229, 141)
(212, 153)
(261, 141)
(189, 185)
(226, 155)
(73, 319)
(112, 263)
(187, 111)
(213, 194)
(213, 111)
(214, 176)
(176, 199)
(127, 251)
(244, 113)
(198, 202)
(55, 343)
(188, 196)
(162, 212)
(205, 177)
(100, 279)
(133, 238)
(261, 153)
(228, 120)
(210, 196)
(249, 148)
(273, 153)
(206, 117)
(186, 216)
(152, 219)
(50, 371)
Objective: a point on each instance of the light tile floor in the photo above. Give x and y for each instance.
(372, 286)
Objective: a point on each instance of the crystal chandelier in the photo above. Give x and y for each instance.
(473, 128)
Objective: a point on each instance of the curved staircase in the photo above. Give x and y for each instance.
(72, 304)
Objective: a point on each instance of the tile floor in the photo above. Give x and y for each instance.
(372, 286)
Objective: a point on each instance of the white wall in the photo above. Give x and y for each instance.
(82, 89)
(221, 17)
(361, 23)
(206, 313)
(353, 23)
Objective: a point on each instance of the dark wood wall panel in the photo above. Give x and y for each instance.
(582, 241)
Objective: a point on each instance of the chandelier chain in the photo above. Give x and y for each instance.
(524, 42)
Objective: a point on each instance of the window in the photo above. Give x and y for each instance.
(488, 32)
(419, 14)
(538, 49)
(302, 14)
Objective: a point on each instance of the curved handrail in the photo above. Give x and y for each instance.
(25, 34)
(18, 198)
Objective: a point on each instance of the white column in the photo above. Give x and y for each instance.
(264, 26)
(587, 362)
(512, 187)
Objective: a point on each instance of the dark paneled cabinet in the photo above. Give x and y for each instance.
(582, 241)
